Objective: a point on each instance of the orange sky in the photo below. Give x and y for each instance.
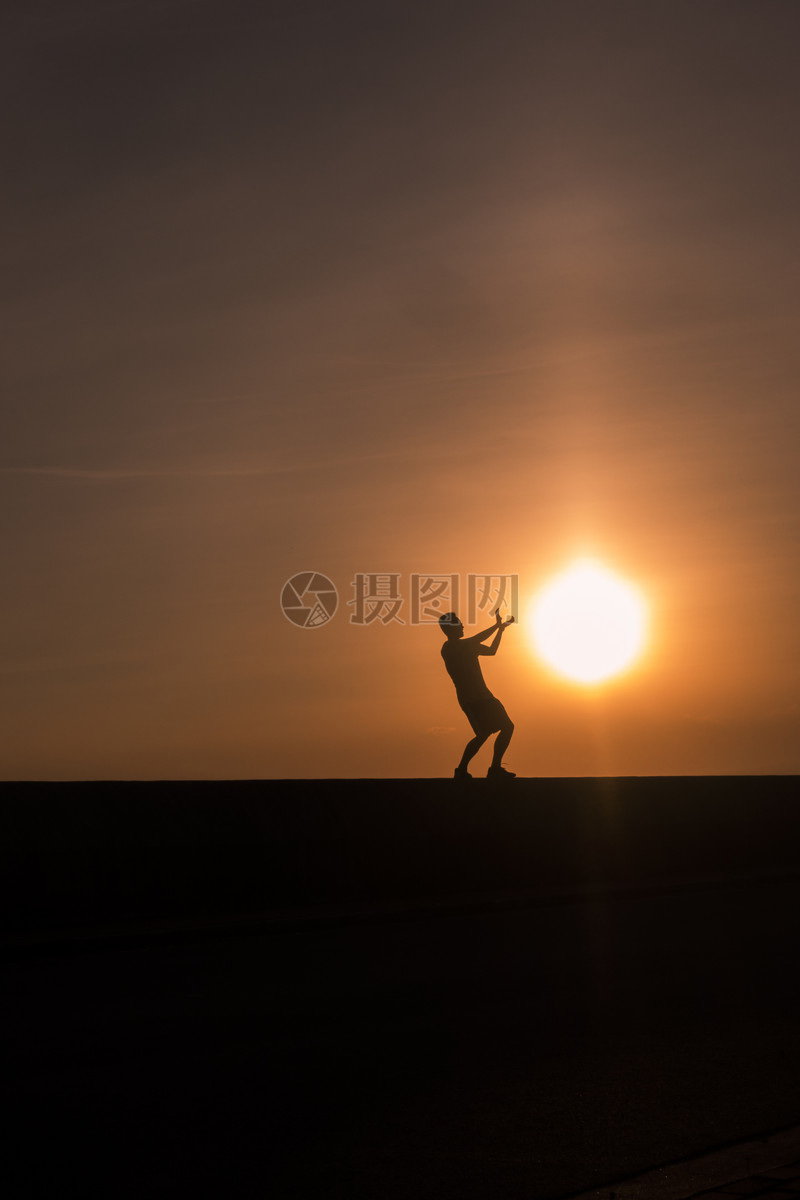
(286, 289)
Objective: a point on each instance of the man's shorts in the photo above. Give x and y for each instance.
(485, 715)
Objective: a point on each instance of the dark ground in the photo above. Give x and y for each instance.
(374, 989)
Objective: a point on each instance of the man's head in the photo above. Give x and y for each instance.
(450, 625)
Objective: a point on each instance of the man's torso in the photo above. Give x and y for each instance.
(464, 668)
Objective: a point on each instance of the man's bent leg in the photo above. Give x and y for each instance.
(501, 742)
(471, 749)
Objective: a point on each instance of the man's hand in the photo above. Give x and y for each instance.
(502, 624)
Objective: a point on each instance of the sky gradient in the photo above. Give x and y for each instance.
(395, 288)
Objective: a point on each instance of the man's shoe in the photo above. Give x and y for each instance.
(500, 773)
(461, 774)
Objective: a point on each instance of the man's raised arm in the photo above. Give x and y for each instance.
(481, 637)
(496, 629)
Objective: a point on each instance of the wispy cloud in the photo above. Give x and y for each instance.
(123, 473)
(232, 471)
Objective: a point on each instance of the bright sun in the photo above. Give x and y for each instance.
(588, 624)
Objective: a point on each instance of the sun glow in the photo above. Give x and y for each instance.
(588, 624)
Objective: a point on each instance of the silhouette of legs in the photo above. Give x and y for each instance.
(470, 750)
(501, 742)
(500, 746)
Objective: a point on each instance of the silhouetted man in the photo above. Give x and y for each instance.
(484, 711)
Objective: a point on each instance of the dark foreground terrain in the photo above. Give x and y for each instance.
(369, 989)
